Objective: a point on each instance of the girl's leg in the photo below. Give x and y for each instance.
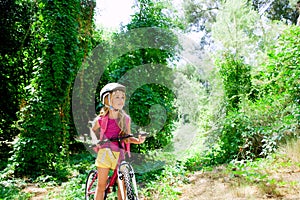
(102, 181)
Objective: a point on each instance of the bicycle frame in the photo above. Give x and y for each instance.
(124, 172)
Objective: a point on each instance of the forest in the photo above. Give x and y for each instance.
(215, 84)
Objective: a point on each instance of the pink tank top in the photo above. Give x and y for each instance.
(112, 131)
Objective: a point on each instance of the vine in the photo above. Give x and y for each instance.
(45, 119)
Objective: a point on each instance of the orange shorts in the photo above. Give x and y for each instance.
(106, 158)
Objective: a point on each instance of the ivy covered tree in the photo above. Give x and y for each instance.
(16, 66)
(44, 119)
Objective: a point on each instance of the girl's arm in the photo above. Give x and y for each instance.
(96, 127)
(135, 140)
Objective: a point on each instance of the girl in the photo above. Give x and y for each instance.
(112, 122)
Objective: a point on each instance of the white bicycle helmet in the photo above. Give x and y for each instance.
(108, 88)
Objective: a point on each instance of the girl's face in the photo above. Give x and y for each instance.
(118, 100)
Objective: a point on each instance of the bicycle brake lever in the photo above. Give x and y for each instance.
(143, 134)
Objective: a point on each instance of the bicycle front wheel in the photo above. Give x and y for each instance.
(91, 185)
(129, 180)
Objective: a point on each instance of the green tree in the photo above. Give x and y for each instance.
(201, 13)
(45, 118)
(152, 22)
(16, 66)
(242, 133)
(234, 32)
(280, 10)
(282, 69)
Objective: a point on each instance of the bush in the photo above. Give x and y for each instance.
(254, 126)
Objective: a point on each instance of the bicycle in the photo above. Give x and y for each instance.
(124, 172)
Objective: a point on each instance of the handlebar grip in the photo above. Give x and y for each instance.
(102, 142)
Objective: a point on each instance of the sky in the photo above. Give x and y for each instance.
(110, 13)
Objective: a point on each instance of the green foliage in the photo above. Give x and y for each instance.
(151, 13)
(255, 127)
(225, 141)
(236, 76)
(201, 13)
(280, 10)
(12, 190)
(145, 99)
(44, 119)
(282, 71)
(72, 188)
(234, 128)
(144, 71)
(193, 90)
(235, 25)
(142, 105)
(166, 182)
(241, 31)
(259, 105)
(15, 73)
(256, 130)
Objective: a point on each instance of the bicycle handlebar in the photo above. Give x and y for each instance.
(118, 139)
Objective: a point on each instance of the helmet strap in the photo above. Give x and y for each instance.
(112, 108)
(109, 102)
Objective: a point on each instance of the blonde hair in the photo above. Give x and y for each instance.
(121, 115)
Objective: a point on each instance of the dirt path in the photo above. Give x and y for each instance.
(216, 185)
(37, 192)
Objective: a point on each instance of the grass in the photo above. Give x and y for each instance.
(12, 190)
(277, 176)
(166, 185)
(292, 150)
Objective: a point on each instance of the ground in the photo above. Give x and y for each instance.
(37, 192)
(216, 185)
(275, 178)
(219, 184)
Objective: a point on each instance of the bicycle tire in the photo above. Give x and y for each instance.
(128, 174)
(91, 185)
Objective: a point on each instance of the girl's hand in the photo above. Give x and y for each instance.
(141, 139)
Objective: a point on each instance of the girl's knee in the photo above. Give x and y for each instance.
(101, 186)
